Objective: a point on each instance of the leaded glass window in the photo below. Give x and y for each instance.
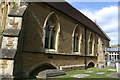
(50, 35)
(76, 42)
(91, 44)
(90, 47)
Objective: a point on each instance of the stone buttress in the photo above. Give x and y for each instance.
(10, 40)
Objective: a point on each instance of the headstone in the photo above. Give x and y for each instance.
(101, 66)
(89, 71)
(112, 69)
(50, 73)
(101, 73)
(80, 75)
(118, 66)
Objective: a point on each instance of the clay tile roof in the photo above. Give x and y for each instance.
(70, 11)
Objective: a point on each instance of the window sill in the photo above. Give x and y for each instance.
(76, 53)
(50, 50)
(91, 55)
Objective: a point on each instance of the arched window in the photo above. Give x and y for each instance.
(91, 44)
(96, 45)
(50, 34)
(76, 39)
(76, 42)
(51, 30)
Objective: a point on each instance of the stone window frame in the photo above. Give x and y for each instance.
(53, 16)
(80, 40)
(91, 40)
(96, 45)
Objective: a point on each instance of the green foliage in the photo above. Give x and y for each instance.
(13, 3)
(93, 76)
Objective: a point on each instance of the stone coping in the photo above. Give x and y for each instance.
(72, 66)
(18, 11)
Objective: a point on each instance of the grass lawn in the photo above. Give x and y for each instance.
(93, 74)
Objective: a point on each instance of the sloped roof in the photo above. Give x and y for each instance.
(70, 11)
(113, 49)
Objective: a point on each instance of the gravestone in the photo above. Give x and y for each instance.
(80, 75)
(118, 66)
(50, 73)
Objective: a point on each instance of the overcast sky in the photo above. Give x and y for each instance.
(106, 14)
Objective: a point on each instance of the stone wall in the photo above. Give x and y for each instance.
(6, 67)
(31, 61)
(9, 45)
(27, 40)
(35, 21)
(34, 53)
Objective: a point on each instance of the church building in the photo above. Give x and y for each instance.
(49, 35)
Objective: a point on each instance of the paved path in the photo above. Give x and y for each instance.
(114, 75)
(112, 69)
(80, 75)
(101, 73)
(85, 75)
(89, 71)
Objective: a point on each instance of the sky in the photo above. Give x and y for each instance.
(106, 14)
